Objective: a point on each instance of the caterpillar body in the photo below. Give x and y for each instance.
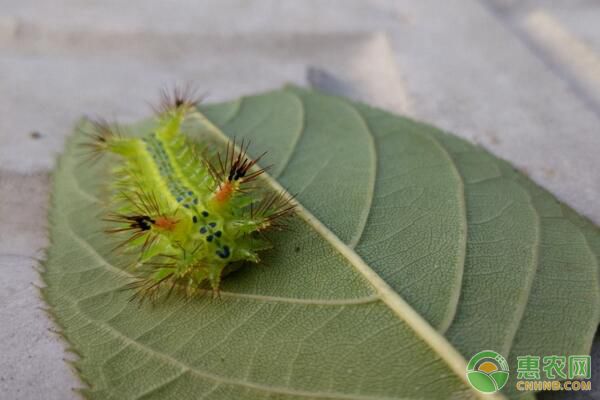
(190, 214)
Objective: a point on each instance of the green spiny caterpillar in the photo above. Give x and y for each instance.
(189, 213)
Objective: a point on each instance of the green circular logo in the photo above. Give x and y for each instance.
(487, 371)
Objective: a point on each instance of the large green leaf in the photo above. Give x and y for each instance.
(411, 247)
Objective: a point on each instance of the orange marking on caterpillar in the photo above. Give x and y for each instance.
(165, 223)
(224, 192)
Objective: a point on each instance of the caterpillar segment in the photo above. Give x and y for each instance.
(188, 216)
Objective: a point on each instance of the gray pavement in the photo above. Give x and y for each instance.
(522, 78)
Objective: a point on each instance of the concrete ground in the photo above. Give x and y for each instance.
(520, 77)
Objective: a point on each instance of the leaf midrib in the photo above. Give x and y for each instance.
(386, 294)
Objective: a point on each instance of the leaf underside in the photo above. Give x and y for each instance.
(487, 258)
